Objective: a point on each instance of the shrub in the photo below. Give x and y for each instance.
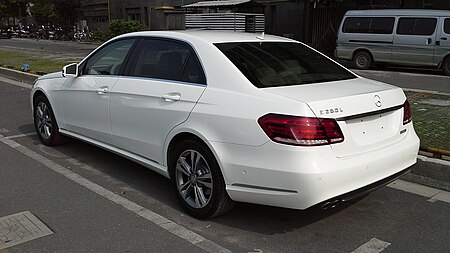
(118, 27)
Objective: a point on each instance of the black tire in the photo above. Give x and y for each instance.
(45, 122)
(362, 60)
(218, 202)
(446, 66)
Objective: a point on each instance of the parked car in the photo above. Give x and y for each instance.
(5, 33)
(232, 116)
(403, 37)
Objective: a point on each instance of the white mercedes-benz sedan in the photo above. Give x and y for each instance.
(232, 116)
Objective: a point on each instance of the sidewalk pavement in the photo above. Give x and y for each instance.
(431, 114)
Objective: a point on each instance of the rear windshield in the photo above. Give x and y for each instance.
(273, 64)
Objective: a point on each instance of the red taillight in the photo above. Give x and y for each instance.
(407, 117)
(302, 131)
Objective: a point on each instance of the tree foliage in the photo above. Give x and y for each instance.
(64, 12)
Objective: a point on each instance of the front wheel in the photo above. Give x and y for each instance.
(446, 66)
(362, 60)
(198, 181)
(45, 122)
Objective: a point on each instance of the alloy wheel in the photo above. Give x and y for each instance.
(194, 179)
(43, 120)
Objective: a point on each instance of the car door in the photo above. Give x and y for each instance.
(414, 41)
(161, 88)
(85, 99)
(443, 36)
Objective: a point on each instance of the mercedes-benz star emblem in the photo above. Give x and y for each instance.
(377, 100)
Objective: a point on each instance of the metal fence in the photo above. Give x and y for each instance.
(249, 22)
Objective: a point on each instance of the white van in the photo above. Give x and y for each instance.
(402, 37)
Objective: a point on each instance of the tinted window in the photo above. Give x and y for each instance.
(382, 25)
(356, 25)
(447, 26)
(416, 26)
(169, 60)
(108, 60)
(374, 25)
(272, 64)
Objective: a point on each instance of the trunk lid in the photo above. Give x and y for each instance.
(369, 113)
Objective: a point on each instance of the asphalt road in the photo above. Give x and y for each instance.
(96, 201)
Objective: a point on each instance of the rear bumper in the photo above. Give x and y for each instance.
(296, 177)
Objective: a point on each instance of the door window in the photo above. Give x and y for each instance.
(169, 60)
(108, 60)
(416, 26)
(447, 26)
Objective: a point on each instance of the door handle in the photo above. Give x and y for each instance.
(171, 97)
(102, 90)
(443, 38)
(429, 41)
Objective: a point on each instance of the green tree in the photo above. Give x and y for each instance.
(64, 12)
(12, 8)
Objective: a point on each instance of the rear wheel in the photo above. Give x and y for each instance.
(45, 122)
(362, 60)
(446, 66)
(198, 180)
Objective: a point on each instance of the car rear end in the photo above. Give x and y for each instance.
(361, 136)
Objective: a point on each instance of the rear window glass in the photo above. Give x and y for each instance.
(447, 26)
(416, 26)
(374, 25)
(273, 64)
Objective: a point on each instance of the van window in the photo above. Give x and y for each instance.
(447, 26)
(374, 25)
(416, 26)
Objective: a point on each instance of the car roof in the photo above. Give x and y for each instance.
(211, 36)
(398, 12)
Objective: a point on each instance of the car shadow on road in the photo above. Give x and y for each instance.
(137, 183)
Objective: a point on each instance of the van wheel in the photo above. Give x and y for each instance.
(362, 60)
(446, 66)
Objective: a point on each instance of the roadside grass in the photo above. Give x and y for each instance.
(431, 117)
(38, 65)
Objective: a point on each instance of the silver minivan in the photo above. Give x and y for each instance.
(402, 37)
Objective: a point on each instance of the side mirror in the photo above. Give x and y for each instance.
(70, 70)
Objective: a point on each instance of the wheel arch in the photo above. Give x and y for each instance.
(447, 56)
(187, 134)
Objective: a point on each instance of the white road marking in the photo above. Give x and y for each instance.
(422, 190)
(373, 246)
(153, 217)
(20, 135)
(16, 83)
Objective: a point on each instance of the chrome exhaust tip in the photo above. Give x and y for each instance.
(331, 204)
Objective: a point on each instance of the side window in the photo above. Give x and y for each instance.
(374, 25)
(170, 60)
(447, 26)
(416, 26)
(108, 60)
(356, 25)
(382, 25)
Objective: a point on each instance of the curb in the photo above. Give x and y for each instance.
(427, 171)
(18, 75)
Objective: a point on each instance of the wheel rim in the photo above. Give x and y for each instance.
(362, 61)
(194, 179)
(43, 121)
